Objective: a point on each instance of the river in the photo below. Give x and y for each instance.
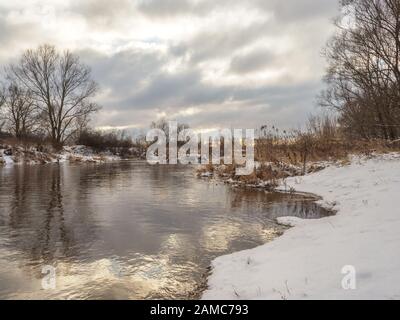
(126, 230)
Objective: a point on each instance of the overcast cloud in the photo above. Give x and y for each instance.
(209, 63)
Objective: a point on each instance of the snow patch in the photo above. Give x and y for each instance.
(308, 260)
(289, 221)
(31, 155)
(5, 159)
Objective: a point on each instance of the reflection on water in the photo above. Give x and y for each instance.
(125, 230)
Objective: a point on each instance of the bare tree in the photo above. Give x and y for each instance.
(2, 101)
(20, 112)
(163, 124)
(364, 75)
(2, 97)
(60, 86)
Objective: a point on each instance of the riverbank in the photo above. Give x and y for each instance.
(11, 155)
(308, 260)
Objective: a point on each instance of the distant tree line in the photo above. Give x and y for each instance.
(363, 78)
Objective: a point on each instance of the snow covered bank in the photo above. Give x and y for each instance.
(308, 260)
(30, 155)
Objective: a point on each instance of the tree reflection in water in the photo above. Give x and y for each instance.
(125, 229)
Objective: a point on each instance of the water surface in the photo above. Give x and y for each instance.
(126, 230)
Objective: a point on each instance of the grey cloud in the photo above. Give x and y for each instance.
(14, 32)
(137, 81)
(211, 44)
(125, 70)
(165, 8)
(289, 18)
(294, 11)
(104, 13)
(283, 106)
(162, 9)
(136, 84)
(174, 92)
(252, 61)
(284, 11)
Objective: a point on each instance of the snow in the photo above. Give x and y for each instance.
(5, 159)
(308, 260)
(79, 153)
(8, 160)
(30, 155)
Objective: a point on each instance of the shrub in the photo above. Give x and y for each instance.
(114, 141)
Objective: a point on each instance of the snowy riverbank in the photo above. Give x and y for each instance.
(30, 155)
(307, 261)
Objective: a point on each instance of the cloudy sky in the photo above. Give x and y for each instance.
(209, 63)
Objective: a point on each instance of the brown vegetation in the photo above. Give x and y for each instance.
(113, 141)
(283, 154)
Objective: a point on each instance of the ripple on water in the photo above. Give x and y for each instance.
(126, 230)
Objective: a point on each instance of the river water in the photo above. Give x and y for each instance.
(125, 230)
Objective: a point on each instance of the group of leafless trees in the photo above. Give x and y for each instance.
(364, 74)
(48, 94)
